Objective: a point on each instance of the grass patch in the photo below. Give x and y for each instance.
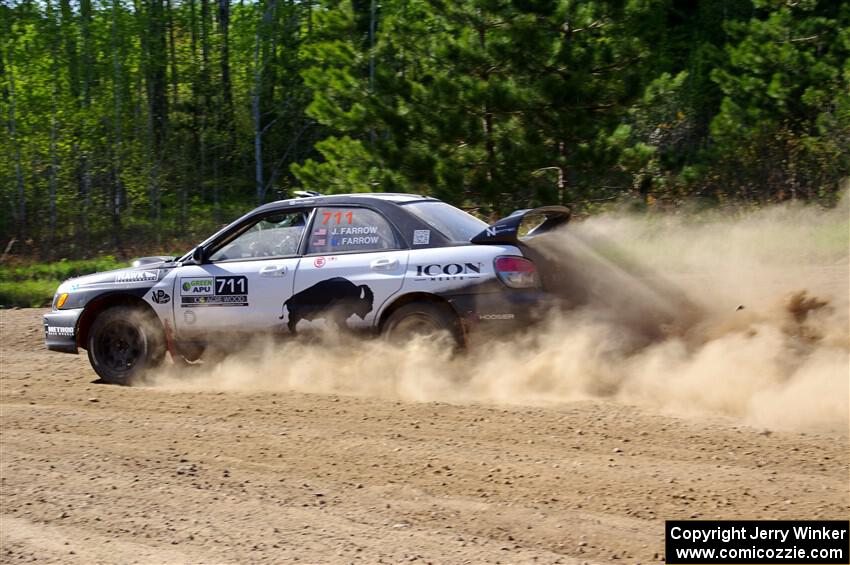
(60, 270)
(33, 285)
(27, 294)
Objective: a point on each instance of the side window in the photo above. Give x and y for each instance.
(340, 230)
(277, 235)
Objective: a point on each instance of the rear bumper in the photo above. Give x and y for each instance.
(60, 330)
(502, 310)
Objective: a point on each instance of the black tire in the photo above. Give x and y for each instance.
(124, 342)
(423, 319)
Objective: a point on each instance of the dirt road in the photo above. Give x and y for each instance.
(96, 473)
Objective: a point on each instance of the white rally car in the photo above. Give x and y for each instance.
(393, 264)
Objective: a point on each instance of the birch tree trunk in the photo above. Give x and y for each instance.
(256, 108)
(204, 90)
(117, 140)
(172, 52)
(54, 157)
(20, 213)
(85, 103)
(226, 122)
(372, 26)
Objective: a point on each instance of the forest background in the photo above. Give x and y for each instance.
(135, 126)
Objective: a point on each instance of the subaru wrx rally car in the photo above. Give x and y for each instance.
(393, 264)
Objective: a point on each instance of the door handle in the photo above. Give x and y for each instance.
(384, 264)
(273, 271)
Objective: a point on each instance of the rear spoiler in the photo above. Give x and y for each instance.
(506, 230)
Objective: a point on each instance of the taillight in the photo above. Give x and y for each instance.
(516, 272)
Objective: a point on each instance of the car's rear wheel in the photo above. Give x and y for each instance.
(124, 342)
(419, 319)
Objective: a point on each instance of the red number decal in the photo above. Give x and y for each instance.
(337, 217)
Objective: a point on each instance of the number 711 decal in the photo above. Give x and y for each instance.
(231, 285)
(337, 217)
(214, 291)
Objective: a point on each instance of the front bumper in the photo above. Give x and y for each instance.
(60, 330)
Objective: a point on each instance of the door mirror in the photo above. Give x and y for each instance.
(199, 255)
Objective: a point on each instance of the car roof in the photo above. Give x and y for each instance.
(390, 204)
(358, 198)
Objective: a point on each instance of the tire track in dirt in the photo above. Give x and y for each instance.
(155, 475)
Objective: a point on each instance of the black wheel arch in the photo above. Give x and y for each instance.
(100, 304)
(412, 297)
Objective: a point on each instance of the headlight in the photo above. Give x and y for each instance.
(60, 301)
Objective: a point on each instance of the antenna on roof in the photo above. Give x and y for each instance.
(306, 193)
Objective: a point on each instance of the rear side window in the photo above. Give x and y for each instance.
(454, 223)
(343, 230)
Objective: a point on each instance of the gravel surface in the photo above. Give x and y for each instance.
(96, 473)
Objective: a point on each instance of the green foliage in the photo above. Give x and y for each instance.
(129, 124)
(347, 167)
(33, 284)
(496, 105)
(27, 294)
(60, 270)
(785, 115)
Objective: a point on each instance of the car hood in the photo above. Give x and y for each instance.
(153, 261)
(141, 277)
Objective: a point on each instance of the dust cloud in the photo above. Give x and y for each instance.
(740, 314)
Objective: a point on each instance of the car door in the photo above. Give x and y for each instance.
(354, 263)
(246, 278)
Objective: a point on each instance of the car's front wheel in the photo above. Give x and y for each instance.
(423, 319)
(124, 342)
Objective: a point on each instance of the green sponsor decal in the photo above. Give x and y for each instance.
(190, 284)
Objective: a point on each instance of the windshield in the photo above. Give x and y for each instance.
(275, 235)
(454, 223)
